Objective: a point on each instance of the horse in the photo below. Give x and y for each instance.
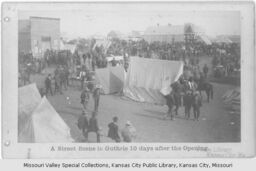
(173, 101)
(208, 88)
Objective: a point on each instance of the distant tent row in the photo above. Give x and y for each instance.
(232, 98)
(222, 39)
(38, 122)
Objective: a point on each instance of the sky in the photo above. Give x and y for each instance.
(101, 19)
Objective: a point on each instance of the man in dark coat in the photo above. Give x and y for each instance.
(205, 70)
(93, 126)
(83, 124)
(48, 85)
(114, 62)
(85, 97)
(197, 103)
(62, 78)
(57, 80)
(96, 96)
(113, 130)
(177, 95)
(188, 100)
(66, 71)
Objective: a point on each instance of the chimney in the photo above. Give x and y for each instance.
(157, 24)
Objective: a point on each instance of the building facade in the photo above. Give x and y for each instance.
(38, 34)
(172, 33)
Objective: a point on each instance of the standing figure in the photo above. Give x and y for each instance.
(62, 79)
(82, 77)
(48, 85)
(177, 95)
(205, 70)
(170, 103)
(93, 126)
(197, 103)
(85, 97)
(113, 130)
(188, 99)
(57, 81)
(67, 73)
(83, 124)
(96, 97)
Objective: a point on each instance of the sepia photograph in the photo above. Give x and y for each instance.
(127, 80)
(116, 75)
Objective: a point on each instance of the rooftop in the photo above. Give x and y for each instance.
(44, 18)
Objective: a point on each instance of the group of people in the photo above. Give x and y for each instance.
(87, 125)
(90, 125)
(60, 78)
(85, 97)
(187, 92)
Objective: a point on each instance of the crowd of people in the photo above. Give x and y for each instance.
(225, 57)
(185, 92)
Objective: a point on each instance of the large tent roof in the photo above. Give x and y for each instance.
(38, 122)
(29, 98)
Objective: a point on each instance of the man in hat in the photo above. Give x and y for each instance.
(129, 132)
(188, 100)
(83, 124)
(96, 97)
(85, 97)
(197, 103)
(48, 84)
(113, 130)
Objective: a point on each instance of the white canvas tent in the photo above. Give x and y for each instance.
(38, 121)
(111, 79)
(118, 58)
(205, 39)
(29, 99)
(148, 80)
(65, 46)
